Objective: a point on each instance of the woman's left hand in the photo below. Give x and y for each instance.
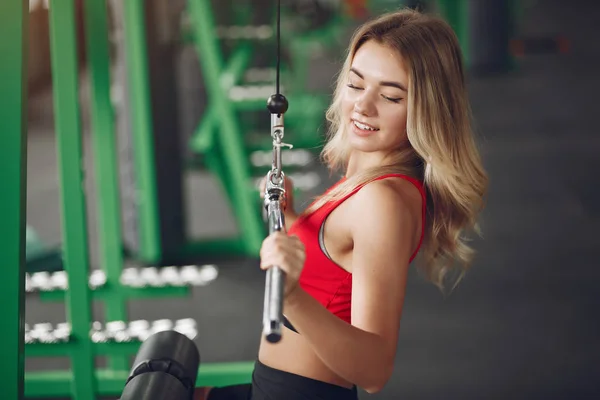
(285, 252)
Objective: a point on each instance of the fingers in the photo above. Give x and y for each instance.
(286, 252)
(281, 241)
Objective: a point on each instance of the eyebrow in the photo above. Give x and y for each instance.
(382, 83)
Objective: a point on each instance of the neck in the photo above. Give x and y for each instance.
(405, 160)
(359, 162)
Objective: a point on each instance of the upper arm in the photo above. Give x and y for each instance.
(383, 234)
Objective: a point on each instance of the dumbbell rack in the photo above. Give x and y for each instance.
(114, 338)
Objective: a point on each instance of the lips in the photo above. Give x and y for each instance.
(363, 126)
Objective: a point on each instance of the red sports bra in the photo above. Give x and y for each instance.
(323, 279)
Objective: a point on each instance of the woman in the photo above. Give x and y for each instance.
(412, 183)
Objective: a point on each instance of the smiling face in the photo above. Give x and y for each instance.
(374, 101)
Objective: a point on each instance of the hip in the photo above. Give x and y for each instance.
(293, 354)
(270, 383)
(273, 384)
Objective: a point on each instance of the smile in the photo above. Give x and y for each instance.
(362, 126)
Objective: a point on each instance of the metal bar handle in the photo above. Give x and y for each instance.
(274, 206)
(275, 279)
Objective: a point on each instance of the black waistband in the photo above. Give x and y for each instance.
(271, 383)
(288, 324)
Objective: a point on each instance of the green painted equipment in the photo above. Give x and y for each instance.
(13, 175)
(227, 153)
(229, 132)
(82, 381)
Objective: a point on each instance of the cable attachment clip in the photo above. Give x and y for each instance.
(277, 105)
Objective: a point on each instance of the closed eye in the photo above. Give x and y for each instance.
(393, 100)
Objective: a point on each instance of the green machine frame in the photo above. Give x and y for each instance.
(81, 381)
(13, 167)
(222, 139)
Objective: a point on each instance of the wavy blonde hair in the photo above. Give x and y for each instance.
(441, 153)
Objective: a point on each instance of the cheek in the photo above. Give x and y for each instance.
(396, 118)
(396, 122)
(347, 111)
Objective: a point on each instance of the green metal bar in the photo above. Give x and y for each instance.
(14, 16)
(106, 293)
(141, 120)
(230, 137)
(105, 157)
(220, 168)
(215, 247)
(206, 139)
(73, 211)
(305, 134)
(49, 350)
(54, 384)
(64, 349)
(242, 12)
(203, 139)
(224, 374)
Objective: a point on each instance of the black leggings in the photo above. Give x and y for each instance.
(273, 384)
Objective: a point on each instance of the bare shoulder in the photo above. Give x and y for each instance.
(391, 197)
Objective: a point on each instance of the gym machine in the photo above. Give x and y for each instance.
(165, 367)
(81, 339)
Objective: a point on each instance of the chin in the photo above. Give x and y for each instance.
(363, 144)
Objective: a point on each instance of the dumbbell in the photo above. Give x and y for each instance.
(189, 275)
(165, 367)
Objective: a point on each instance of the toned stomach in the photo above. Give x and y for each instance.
(293, 354)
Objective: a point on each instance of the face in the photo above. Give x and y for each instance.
(374, 101)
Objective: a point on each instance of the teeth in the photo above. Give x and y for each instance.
(364, 127)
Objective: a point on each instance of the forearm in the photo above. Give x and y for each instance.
(358, 356)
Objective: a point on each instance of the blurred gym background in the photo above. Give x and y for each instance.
(188, 88)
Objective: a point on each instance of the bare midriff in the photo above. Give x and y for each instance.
(293, 354)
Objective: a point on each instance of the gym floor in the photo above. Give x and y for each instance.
(524, 323)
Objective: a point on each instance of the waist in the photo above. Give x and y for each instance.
(294, 355)
(269, 382)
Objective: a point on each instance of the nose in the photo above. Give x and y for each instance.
(364, 105)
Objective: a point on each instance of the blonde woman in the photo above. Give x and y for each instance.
(411, 183)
